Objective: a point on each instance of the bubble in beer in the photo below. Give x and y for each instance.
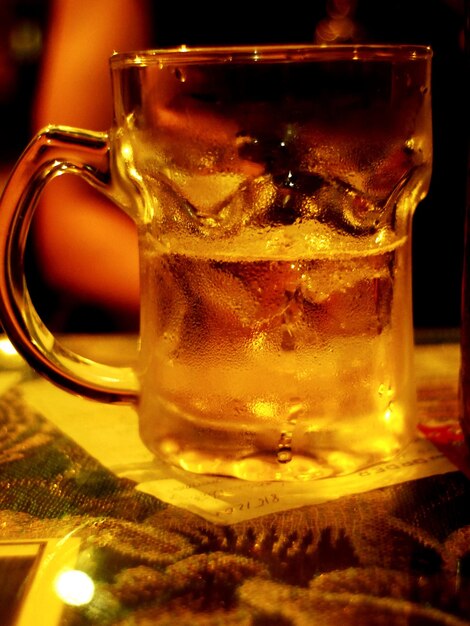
(284, 449)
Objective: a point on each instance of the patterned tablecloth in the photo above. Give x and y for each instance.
(391, 556)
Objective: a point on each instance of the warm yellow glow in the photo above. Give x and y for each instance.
(259, 341)
(344, 462)
(6, 347)
(394, 419)
(74, 587)
(126, 151)
(264, 409)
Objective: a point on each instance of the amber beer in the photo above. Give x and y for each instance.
(278, 365)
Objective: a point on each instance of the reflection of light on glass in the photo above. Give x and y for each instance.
(259, 341)
(264, 409)
(342, 461)
(395, 419)
(126, 151)
(74, 587)
(6, 347)
(380, 237)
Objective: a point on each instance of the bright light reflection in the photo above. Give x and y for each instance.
(126, 151)
(264, 409)
(6, 347)
(74, 587)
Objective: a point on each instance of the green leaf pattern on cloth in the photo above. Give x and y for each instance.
(394, 556)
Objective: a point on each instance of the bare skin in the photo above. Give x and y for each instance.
(87, 247)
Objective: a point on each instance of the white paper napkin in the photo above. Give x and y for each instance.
(110, 434)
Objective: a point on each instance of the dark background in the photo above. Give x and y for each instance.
(438, 222)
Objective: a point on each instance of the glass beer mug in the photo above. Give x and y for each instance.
(273, 189)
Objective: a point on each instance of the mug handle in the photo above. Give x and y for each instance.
(54, 151)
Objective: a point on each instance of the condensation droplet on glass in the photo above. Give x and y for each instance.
(284, 449)
(385, 390)
(180, 75)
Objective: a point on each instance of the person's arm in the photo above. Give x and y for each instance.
(86, 246)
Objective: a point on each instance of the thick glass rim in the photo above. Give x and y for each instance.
(270, 53)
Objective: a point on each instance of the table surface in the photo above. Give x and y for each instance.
(80, 544)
